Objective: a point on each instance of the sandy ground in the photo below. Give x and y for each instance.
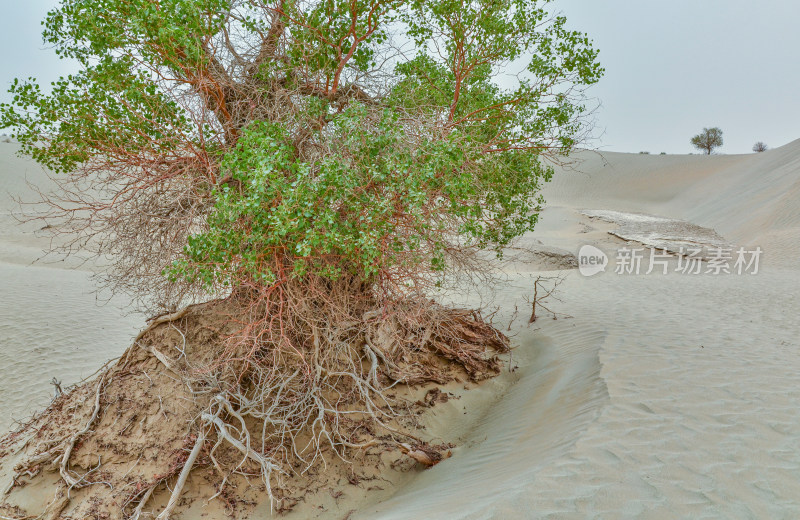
(663, 396)
(52, 322)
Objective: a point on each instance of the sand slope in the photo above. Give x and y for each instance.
(749, 199)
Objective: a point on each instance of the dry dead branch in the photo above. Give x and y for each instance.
(544, 287)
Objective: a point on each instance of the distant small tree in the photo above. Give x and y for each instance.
(707, 140)
(760, 147)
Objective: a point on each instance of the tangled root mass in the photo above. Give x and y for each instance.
(245, 388)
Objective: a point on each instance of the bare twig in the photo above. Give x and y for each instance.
(541, 293)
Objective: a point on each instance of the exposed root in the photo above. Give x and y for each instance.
(176, 491)
(281, 401)
(267, 467)
(137, 513)
(159, 356)
(158, 320)
(424, 454)
(63, 468)
(54, 509)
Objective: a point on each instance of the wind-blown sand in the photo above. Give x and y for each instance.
(664, 396)
(52, 322)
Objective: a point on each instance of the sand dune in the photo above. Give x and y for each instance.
(663, 396)
(660, 399)
(749, 199)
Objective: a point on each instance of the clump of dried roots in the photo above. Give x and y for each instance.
(270, 382)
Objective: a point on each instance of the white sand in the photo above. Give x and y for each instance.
(666, 396)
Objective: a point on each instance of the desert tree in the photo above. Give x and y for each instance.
(708, 140)
(759, 147)
(323, 165)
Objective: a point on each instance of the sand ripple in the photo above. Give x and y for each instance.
(702, 420)
(51, 325)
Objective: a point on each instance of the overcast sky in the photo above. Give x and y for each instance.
(676, 66)
(672, 68)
